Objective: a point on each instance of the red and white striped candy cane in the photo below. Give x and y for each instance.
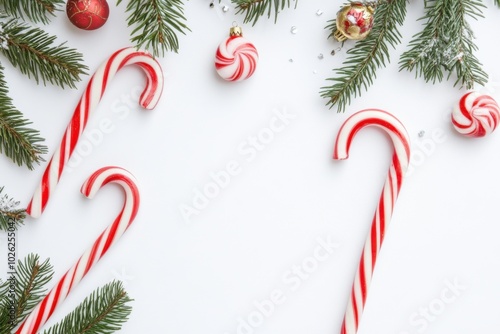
(88, 103)
(42, 312)
(392, 186)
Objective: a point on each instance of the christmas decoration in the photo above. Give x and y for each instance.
(400, 161)
(236, 58)
(106, 307)
(88, 103)
(476, 115)
(87, 14)
(444, 45)
(354, 21)
(42, 312)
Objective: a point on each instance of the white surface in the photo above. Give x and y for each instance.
(204, 275)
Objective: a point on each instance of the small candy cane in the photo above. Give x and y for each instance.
(88, 103)
(392, 186)
(42, 312)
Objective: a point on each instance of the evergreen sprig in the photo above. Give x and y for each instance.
(17, 140)
(34, 10)
(156, 24)
(363, 60)
(10, 216)
(29, 283)
(254, 9)
(32, 50)
(446, 44)
(104, 311)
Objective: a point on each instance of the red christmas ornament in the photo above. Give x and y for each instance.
(87, 14)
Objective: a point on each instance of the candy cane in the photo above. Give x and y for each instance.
(42, 312)
(88, 103)
(400, 161)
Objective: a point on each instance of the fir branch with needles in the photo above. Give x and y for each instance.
(104, 311)
(156, 24)
(34, 10)
(446, 44)
(254, 9)
(17, 140)
(10, 216)
(368, 55)
(29, 283)
(33, 51)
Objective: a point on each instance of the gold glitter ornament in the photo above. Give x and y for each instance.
(354, 21)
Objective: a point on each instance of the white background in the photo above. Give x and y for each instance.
(205, 276)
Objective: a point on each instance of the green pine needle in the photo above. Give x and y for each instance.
(30, 280)
(446, 44)
(363, 60)
(17, 140)
(104, 311)
(254, 9)
(34, 10)
(10, 217)
(32, 50)
(156, 23)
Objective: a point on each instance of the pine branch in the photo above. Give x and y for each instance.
(33, 51)
(104, 311)
(17, 140)
(359, 69)
(31, 277)
(10, 217)
(156, 23)
(34, 10)
(446, 44)
(332, 27)
(254, 9)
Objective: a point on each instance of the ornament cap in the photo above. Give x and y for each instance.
(235, 31)
(339, 36)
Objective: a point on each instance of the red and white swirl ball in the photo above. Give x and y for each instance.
(475, 115)
(236, 59)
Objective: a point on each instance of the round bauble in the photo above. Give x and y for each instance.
(87, 14)
(354, 21)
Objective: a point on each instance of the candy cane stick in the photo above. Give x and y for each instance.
(88, 103)
(400, 161)
(42, 312)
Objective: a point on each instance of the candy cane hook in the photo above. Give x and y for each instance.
(42, 312)
(383, 213)
(88, 103)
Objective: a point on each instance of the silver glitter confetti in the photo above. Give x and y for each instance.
(320, 56)
(421, 133)
(294, 30)
(319, 12)
(290, 60)
(225, 8)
